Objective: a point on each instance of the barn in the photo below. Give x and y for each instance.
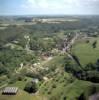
(10, 91)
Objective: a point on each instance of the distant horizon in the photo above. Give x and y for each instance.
(53, 15)
(48, 7)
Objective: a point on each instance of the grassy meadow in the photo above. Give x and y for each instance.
(85, 52)
(22, 95)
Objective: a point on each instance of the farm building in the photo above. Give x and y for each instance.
(10, 90)
(35, 80)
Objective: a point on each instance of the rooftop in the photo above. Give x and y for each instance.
(10, 90)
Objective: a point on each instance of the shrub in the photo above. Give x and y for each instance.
(87, 41)
(49, 92)
(54, 86)
(64, 98)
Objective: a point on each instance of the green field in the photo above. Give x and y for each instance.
(61, 84)
(65, 88)
(22, 95)
(54, 87)
(21, 84)
(85, 52)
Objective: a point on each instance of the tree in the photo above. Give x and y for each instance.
(94, 44)
(90, 66)
(93, 76)
(77, 60)
(31, 87)
(3, 70)
(97, 64)
(82, 97)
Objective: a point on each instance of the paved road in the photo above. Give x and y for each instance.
(72, 41)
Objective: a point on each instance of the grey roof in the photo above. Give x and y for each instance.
(10, 90)
(35, 80)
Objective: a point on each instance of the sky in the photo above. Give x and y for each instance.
(49, 7)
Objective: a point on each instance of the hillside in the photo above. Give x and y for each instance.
(49, 61)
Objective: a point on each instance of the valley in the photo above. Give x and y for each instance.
(53, 59)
